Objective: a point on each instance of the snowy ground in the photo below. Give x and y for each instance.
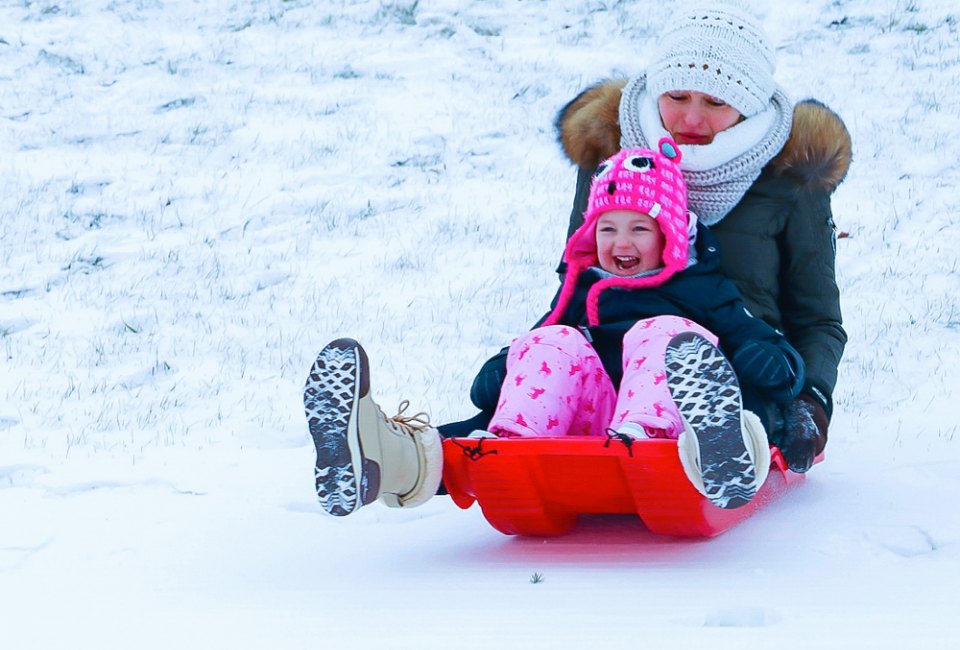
(196, 196)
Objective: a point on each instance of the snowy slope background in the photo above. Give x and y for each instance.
(195, 196)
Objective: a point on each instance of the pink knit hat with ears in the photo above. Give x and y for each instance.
(642, 180)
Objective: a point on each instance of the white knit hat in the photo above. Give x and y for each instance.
(719, 49)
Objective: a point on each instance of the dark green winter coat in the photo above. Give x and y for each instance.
(778, 244)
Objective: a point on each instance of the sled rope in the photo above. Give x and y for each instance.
(473, 453)
(613, 434)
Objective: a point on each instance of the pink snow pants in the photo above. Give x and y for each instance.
(556, 384)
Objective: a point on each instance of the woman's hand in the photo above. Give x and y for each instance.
(803, 434)
(775, 371)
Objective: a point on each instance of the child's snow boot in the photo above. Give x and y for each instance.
(689, 449)
(720, 450)
(363, 455)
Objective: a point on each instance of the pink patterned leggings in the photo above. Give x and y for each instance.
(557, 386)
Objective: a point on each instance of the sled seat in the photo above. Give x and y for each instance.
(538, 486)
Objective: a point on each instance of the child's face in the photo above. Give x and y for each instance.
(629, 242)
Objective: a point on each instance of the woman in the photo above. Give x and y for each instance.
(760, 173)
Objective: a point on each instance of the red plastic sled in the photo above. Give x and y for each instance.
(538, 486)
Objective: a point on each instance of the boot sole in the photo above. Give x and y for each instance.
(705, 389)
(338, 380)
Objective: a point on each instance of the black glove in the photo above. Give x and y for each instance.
(803, 434)
(485, 392)
(775, 371)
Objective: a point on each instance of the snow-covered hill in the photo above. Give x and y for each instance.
(196, 196)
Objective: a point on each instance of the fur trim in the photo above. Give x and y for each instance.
(817, 154)
(430, 450)
(755, 438)
(819, 150)
(589, 126)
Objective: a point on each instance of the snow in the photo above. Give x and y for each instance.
(196, 196)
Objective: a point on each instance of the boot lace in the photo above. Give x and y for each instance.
(409, 424)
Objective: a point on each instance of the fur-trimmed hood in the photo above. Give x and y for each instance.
(817, 154)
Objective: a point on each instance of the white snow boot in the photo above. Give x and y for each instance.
(363, 455)
(723, 452)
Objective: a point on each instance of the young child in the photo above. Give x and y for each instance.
(629, 348)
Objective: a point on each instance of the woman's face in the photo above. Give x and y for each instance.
(695, 118)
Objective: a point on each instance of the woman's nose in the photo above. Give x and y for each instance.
(692, 115)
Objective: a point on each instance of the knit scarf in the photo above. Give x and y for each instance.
(720, 173)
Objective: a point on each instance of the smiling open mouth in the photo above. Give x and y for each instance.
(626, 263)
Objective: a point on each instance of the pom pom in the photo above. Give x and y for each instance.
(669, 149)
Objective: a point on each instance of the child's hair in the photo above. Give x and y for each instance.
(642, 180)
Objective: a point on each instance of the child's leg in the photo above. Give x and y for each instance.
(678, 384)
(644, 397)
(556, 385)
